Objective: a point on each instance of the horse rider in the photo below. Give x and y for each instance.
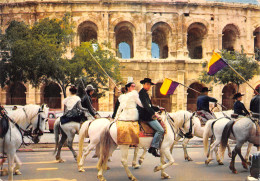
(203, 104)
(239, 107)
(254, 104)
(72, 107)
(87, 101)
(123, 91)
(148, 114)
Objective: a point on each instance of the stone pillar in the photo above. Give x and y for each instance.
(3, 97)
(181, 89)
(30, 94)
(37, 96)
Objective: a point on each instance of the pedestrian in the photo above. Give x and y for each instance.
(123, 91)
(203, 104)
(87, 101)
(148, 114)
(239, 107)
(73, 110)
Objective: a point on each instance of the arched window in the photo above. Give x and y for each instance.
(160, 36)
(230, 34)
(16, 94)
(52, 95)
(87, 31)
(196, 34)
(192, 96)
(124, 34)
(227, 98)
(124, 50)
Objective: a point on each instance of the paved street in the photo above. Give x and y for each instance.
(41, 165)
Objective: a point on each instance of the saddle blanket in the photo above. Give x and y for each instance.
(147, 131)
(127, 132)
(64, 119)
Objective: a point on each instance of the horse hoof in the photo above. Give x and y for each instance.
(17, 172)
(245, 165)
(60, 161)
(81, 169)
(234, 171)
(132, 178)
(101, 178)
(136, 166)
(140, 162)
(188, 158)
(156, 169)
(108, 168)
(220, 163)
(230, 155)
(4, 172)
(165, 176)
(110, 160)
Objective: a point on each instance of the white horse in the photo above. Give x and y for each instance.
(109, 144)
(91, 130)
(68, 131)
(29, 120)
(215, 127)
(242, 130)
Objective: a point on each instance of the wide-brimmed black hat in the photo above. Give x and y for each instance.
(89, 88)
(237, 95)
(205, 89)
(147, 80)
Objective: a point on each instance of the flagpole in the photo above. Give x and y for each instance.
(103, 69)
(241, 77)
(199, 93)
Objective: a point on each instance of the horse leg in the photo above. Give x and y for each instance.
(184, 146)
(219, 160)
(232, 162)
(70, 145)
(134, 165)
(124, 154)
(248, 152)
(61, 142)
(17, 165)
(175, 142)
(89, 148)
(229, 151)
(168, 155)
(141, 159)
(238, 150)
(10, 166)
(212, 147)
(164, 175)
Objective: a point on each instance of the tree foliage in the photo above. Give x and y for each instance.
(246, 66)
(37, 54)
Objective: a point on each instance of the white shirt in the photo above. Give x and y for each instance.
(70, 101)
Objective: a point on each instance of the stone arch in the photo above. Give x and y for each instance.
(16, 94)
(159, 99)
(87, 31)
(192, 96)
(124, 33)
(51, 95)
(257, 86)
(228, 92)
(256, 35)
(196, 34)
(160, 36)
(230, 33)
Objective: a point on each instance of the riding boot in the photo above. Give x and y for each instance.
(154, 152)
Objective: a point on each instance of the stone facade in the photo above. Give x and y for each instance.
(186, 31)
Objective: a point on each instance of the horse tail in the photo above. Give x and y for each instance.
(56, 133)
(106, 144)
(224, 138)
(83, 133)
(206, 134)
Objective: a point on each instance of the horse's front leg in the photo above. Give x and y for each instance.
(164, 175)
(60, 144)
(168, 155)
(124, 154)
(141, 159)
(184, 146)
(248, 152)
(89, 148)
(229, 151)
(10, 166)
(18, 164)
(134, 165)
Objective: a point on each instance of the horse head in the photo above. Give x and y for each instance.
(38, 123)
(188, 125)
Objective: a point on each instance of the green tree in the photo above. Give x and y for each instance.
(246, 66)
(37, 54)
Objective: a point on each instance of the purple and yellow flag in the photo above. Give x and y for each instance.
(168, 87)
(216, 63)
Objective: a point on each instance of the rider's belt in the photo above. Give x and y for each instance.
(128, 120)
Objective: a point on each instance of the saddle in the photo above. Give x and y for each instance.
(4, 123)
(200, 115)
(148, 131)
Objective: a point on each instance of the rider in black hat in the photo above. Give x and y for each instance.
(87, 101)
(203, 104)
(255, 103)
(148, 114)
(239, 107)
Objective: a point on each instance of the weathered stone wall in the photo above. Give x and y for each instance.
(178, 16)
